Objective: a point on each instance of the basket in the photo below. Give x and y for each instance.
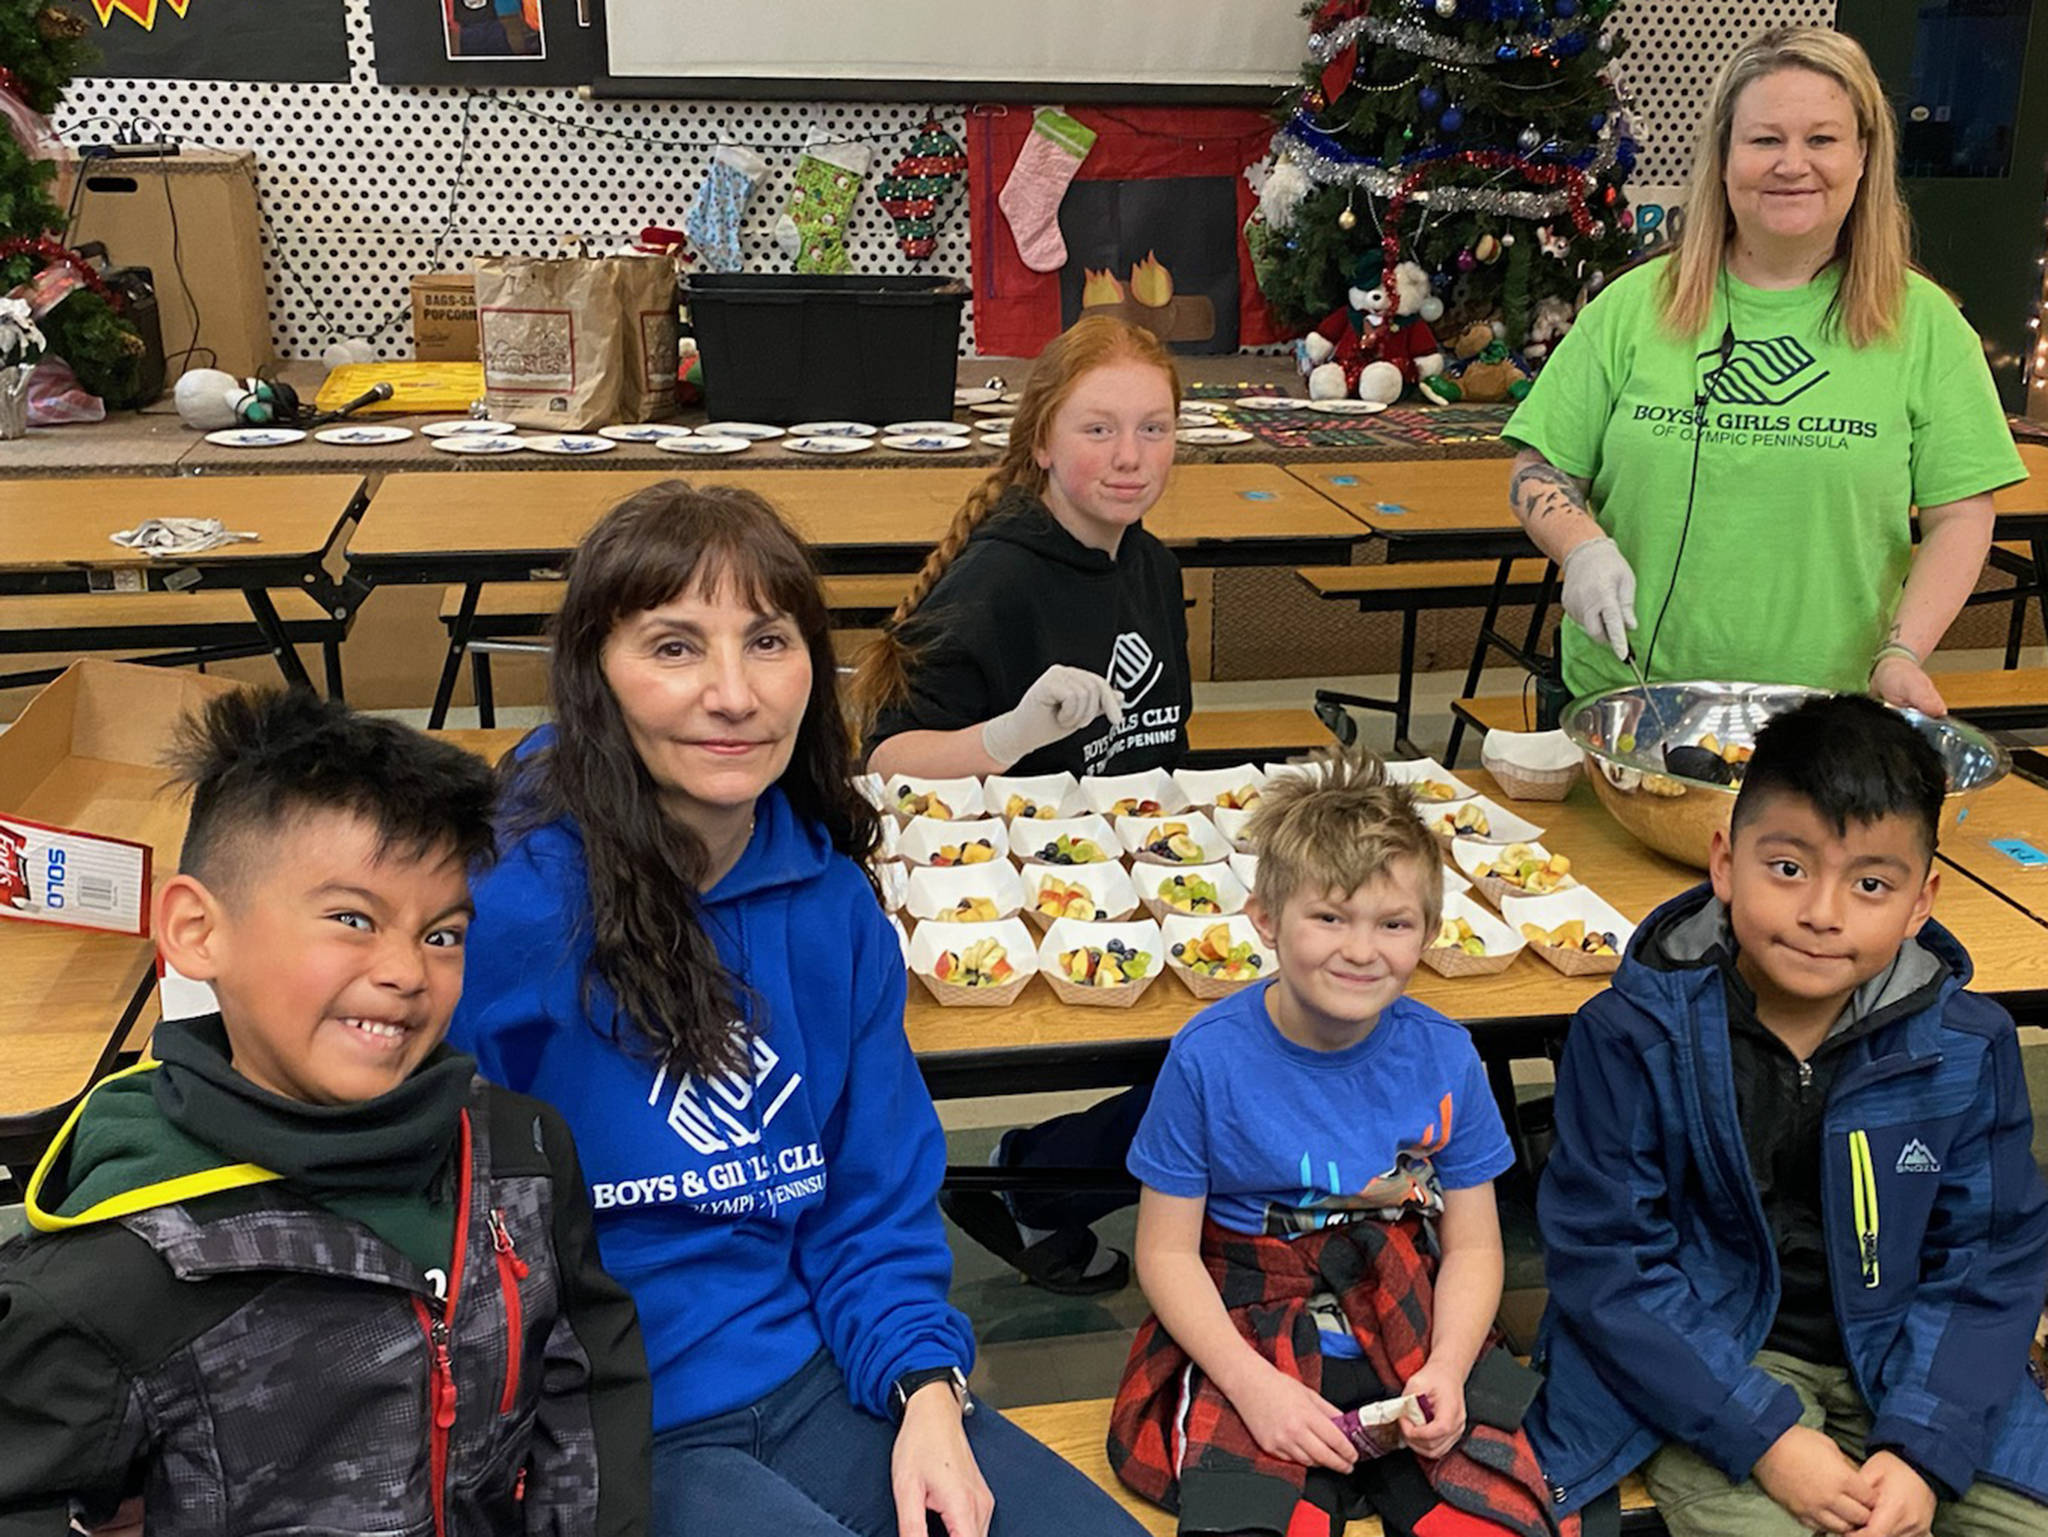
(1207, 988)
(1520, 784)
(1450, 961)
(1083, 995)
(950, 995)
(1576, 963)
(1532, 765)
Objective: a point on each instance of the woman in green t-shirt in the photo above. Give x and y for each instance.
(1724, 452)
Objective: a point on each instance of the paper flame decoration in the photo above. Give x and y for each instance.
(1101, 288)
(1151, 283)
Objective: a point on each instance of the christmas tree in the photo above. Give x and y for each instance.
(1481, 139)
(41, 48)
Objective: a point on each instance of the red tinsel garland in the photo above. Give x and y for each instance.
(54, 251)
(1548, 175)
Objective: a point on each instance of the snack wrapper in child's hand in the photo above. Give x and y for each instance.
(1370, 1427)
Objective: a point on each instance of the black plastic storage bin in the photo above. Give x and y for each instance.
(787, 348)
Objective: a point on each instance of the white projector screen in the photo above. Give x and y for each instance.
(1100, 45)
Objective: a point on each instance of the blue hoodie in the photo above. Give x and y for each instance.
(1662, 1271)
(758, 1216)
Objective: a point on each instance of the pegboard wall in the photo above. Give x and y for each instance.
(362, 185)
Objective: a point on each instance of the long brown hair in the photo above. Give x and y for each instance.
(676, 1000)
(883, 677)
(1875, 246)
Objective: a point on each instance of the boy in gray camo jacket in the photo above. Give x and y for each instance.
(305, 1271)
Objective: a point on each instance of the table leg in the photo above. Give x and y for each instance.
(1479, 649)
(281, 649)
(451, 668)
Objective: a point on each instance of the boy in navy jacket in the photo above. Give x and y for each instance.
(1794, 1234)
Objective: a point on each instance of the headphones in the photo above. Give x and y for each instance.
(1702, 393)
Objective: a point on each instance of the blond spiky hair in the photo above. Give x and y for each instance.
(1336, 826)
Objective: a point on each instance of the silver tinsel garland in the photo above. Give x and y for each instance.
(1411, 37)
(1385, 181)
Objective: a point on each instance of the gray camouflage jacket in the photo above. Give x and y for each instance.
(252, 1363)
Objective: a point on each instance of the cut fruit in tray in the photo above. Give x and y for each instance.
(1190, 839)
(1217, 952)
(1527, 868)
(1432, 781)
(1107, 965)
(985, 963)
(1065, 841)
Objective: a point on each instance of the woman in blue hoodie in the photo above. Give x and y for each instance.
(681, 950)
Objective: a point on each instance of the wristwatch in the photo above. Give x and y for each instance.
(907, 1384)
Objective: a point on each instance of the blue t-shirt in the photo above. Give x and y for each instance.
(1282, 1140)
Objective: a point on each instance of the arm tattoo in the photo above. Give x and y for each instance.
(1542, 491)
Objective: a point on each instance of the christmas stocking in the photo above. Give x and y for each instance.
(917, 184)
(1031, 197)
(713, 222)
(812, 228)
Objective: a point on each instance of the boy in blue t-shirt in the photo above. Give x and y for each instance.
(1317, 1228)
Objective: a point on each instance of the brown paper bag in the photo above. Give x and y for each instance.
(550, 333)
(647, 305)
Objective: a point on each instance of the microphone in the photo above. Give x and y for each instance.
(376, 392)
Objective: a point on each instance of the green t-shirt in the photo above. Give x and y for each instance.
(1814, 453)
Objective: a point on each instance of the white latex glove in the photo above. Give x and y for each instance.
(1600, 592)
(1061, 702)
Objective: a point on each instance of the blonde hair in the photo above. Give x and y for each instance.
(1875, 245)
(883, 677)
(1337, 827)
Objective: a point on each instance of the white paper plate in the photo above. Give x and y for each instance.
(569, 443)
(1347, 407)
(1502, 825)
(931, 429)
(496, 443)
(467, 427)
(926, 443)
(962, 797)
(642, 432)
(975, 395)
(827, 443)
(1056, 790)
(834, 429)
(702, 445)
(362, 435)
(994, 408)
(1194, 416)
(255, 437)
(752, 431)
(996, 440)
(1420, 771)
(1269, 402)
(1011, 397)
(1213, 435)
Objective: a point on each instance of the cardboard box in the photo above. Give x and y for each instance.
(444, 318)
(87, 753)
(192, 213)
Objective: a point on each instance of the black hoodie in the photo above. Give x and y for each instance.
(1025, 595)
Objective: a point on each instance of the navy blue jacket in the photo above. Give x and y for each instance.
(1662, 1272)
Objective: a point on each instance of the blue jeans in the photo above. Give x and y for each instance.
(804, 1462)
(1098, 1137)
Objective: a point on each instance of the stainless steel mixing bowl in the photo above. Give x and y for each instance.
(1624, 732)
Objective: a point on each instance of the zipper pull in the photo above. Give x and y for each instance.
(1870, 1259)
(1805, 1076)
(444, 1380)
(501, 1240)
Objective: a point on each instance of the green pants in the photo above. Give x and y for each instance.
(1696, 1500)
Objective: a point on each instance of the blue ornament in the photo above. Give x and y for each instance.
(1597, 121)
(1507, 53)
(1564, 10)
(1428, 97)
(1452, 120)
(1572, 43)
